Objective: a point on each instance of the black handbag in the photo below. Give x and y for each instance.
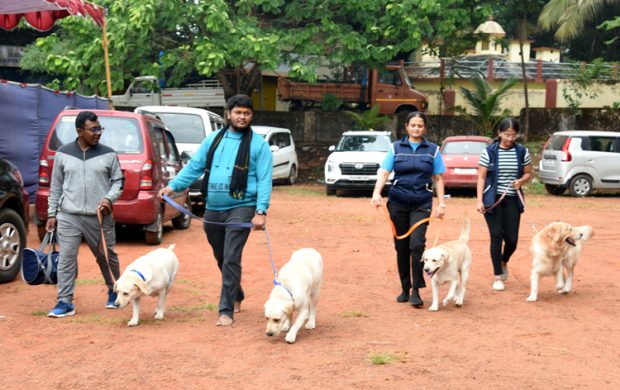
(41, 266)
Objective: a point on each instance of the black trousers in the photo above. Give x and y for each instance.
(409, 250)
(503, 222)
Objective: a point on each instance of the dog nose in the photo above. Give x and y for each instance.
(269, 334)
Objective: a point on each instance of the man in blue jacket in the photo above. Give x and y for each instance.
(237, 167)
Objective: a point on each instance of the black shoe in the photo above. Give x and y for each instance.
(403, 297)
(415, 300)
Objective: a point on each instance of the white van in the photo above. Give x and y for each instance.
(280, 140)
(189, 126)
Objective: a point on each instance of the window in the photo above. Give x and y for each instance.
(121, 134)
(599, 144)
(464, 147)
(187, 128)
(367, 143)
(390, 77)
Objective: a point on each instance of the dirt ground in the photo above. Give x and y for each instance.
(496, 339)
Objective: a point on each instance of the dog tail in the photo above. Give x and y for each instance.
(171, 247)
(465, 230)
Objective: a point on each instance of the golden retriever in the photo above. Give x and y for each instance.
(151, 274)
(445, 263)
(295, 292)
(555, 247)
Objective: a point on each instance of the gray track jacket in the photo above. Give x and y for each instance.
(81, 179)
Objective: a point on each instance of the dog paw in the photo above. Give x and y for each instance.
(310, 325)
(532, 298)
(458, 302)
(564, 291)
(290, 338)
(559, 286)
(132, 322)
(433, 308)
(159, 316)
(445, 302)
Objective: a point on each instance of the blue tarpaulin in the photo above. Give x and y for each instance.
(26, 114)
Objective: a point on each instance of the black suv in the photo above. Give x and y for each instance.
(14, 217)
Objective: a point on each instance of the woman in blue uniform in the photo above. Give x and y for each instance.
(418, 168)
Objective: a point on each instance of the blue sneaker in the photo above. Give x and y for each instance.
(111, 300)
(62, 309)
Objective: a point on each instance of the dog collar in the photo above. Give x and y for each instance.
(276, 283)
(139, 274)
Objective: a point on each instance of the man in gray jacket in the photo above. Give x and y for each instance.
(86, 177)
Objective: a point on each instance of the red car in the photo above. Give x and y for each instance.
(149, 159)
(461, 155)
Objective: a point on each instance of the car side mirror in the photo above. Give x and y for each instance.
(274, 148)
(185, 157)
(332, 148)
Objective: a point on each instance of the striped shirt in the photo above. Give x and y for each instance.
(507, 164)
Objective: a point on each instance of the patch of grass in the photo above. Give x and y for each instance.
(88, 282)
(200, 307)
(96, 319)
(380, 358)
(355, 313)
(39, 313)
(300, 191)
(197, 286)
(535, 187)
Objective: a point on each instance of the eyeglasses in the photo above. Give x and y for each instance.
(96, 130)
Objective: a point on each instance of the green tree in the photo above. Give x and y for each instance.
(235, 40)
(485, 103)
(369, 119)
(569, 17)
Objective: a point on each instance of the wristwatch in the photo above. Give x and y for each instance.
(261, 212)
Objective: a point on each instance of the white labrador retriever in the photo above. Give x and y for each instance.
(444, 263)
(151, 274)
(296, 292)
(554, 248)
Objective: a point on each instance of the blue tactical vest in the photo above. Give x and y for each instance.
(413, 174)
(489, 196)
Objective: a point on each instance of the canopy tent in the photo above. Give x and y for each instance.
(42, 14)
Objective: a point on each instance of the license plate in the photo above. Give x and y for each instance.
(465, 171)
(359, 178)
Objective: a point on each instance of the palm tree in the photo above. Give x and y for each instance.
(370, 119)
(485, 103)
(570, 16)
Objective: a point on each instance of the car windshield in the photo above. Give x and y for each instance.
(364, 143)
(186, 128)
(121, 134)
(464, 147)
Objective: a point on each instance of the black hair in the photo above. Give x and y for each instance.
(508, 123)
(418, 114)
(84, 116)
(239, 100)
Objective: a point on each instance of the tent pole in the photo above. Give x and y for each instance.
(104, 42)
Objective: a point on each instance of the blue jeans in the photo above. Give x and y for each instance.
(227, 244)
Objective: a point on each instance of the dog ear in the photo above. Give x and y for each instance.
(556, 232)
(141, 286)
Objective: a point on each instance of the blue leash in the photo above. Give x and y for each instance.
(247, 225)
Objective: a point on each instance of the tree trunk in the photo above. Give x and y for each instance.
(522, 31)
(242, 79)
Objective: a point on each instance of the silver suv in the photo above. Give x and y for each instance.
(582, 161)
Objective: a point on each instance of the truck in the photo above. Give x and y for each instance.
(390, 88)
(146, 91)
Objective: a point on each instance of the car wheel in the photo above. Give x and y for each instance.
(580, 185)
(183, 220)
(330, 191)
(12, 244)
(555, 190)
(155, 237)
(292, 176)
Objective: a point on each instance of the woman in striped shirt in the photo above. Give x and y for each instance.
(504, 167)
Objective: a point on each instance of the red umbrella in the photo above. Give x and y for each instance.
(42, 14)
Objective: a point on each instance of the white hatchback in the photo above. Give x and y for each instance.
(282, 145)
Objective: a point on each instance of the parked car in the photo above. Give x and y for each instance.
(280, 140)
(461, 155)
(189, 126)
(582, 161)
(149, 158)
(354, 161)
(14, 218)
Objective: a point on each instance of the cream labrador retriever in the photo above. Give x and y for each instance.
(295, 292)
(151, 274)
(444, 263)
(554, 248)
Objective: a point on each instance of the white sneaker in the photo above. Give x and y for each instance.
(498, 285)
(504, 271)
